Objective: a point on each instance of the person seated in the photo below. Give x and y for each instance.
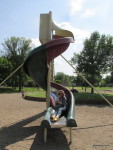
(60, 106)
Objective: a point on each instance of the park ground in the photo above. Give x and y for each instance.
(20, 126)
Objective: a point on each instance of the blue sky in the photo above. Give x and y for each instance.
(82, 17)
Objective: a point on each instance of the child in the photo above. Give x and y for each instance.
(60, 106)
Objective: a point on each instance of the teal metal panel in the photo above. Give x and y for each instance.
(35, 66)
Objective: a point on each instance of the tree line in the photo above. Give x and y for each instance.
(15, 52)
(95, 59)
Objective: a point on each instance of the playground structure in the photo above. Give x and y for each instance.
(39, 65)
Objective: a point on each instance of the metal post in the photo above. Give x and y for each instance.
(52, 70)
(48, 87)
(87, 81)
(48, 31)
(70, 134)
(45, 135)
(11, 74)
(49, 68)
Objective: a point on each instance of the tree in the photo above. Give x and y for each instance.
(105, 81)
(16, 49)
(5, 68)
(62, 78)
(111, 77)
(110, 57)
(93, 59)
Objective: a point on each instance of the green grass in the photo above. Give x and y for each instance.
(81, 97)
(32, 89)
(88, 98)
(88, 89)
(8, 90)
(34, 92)
(102, 90)
(26, 89)
(37, 94)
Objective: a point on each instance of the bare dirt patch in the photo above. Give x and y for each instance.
(20, 127)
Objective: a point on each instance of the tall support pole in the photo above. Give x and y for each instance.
(49, 65)
(48, 87)
(52, 70)
(45, 135)
(70, 134)
(49, 72)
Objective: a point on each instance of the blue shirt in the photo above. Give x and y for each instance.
(63, 101)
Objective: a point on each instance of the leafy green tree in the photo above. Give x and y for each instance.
(111, 77)
(102, 83)
(5, 68)
(110, 58)
(107, 80)
(93, 59)
(16, 49)
(63, 79)
(72, 79)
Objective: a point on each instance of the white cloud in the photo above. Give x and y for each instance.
(35, 42)
(80, 36)
(75, 6)
(60, 65)
(89, 13)
(103, 9)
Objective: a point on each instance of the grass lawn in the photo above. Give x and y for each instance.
(80, 98)
(8, 90)
(88, 89)
(88, 98)
(37, 94)
(32, 89)
(11, 90)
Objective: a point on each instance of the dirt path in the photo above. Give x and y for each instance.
(20, 127)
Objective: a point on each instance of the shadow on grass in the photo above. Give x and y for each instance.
(81, 98)
(38, 99)
(92, 99)
(7, 90)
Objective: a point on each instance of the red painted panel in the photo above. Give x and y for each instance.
(53, 52)
(56, 47)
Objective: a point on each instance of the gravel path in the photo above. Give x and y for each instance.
(20, 127)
